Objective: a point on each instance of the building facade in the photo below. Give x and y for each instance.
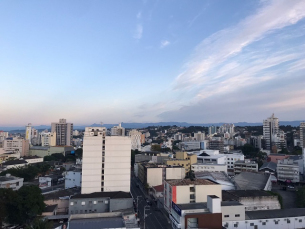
(288, 170)
(245, 166)
(302, 134)
(64, 132)
(135, 137)
(106, 162)
(270, 132)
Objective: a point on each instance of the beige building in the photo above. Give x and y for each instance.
(155, 174)
(64, 132)
(189, 191)
(42, 151)
(48, 139)
(288, 170)
(17, 144)
(183, 159)
(200, 167)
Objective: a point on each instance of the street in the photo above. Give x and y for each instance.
(155, 218)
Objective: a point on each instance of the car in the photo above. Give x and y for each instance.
(148, 202)
(290, 187)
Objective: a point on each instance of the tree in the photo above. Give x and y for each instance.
(79, 153)
(49, 158)
(39, 223)
(300, 200)
(155, 147)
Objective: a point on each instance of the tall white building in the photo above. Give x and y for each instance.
(271, 131)
(3, 136)
(199, 136)
(302, 134)
(118, 130)
(106, 162)
(135, 137)
(48, 139)
(212, 130)
(64, 132)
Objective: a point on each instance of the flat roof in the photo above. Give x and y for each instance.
(279, 213)
(107, 222)
(192, 206)
(5, 178)
(207, 163)
(111, 195)
(230, 203)
(15, 162)
(191, 182)
(50, 208)
(229, 195)
(64, 194)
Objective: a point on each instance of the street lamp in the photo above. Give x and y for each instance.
(147, 207)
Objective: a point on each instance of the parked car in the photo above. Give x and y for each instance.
(290, 187)
(148, 202)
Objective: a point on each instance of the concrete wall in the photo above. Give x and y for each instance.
(89, 205)
(230, 213)
(73, 179)
(260, 203)
(119, 204)
(202, 191)
(209, 167)
(62, 205)
(183, 194)
(154, 176)
(175, 173)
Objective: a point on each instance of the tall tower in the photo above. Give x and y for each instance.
(28, 132)
(271, 131)
(302, 134)
(106, 162)
(64, 132)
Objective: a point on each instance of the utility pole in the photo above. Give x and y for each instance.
(145, 209)
(138, 204)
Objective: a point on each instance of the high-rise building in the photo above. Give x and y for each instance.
(28, 132)
(302, 134)
(135, 137)
(199, 136)
(106, 162)
(64, 132)
(271, 131)
(48, 139)
(212, 130)
(118, 130)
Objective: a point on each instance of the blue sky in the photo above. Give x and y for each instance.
(149, 61)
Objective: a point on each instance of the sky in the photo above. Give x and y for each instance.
(117, 61)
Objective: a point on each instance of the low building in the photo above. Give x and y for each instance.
(253, 181)
(275, 157)
(200, 167)
(155, 174)
(231, 158)
(288, 171)
(100, 202)
(33, 159)
(218, 177)
(188, 191)
(73, 178)
(48, 181)
(14, 164)
(245, 166)
(42, 151)
(268, 167)
(215, 158)
(217, 144)
(253, 200)
(157, 191)
(182, 159)
(50, 210)
(9, 181)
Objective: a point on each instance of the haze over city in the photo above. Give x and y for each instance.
(151, 61)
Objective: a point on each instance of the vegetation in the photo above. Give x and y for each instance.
(156, 148)
(280, 198)
(60, 157)
(39, 223)
(300, 201)
(195, 129)
(22, 206)
(28, 172)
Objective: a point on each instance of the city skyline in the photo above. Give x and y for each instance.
(151, 61)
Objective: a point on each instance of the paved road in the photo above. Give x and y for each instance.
(155, 219)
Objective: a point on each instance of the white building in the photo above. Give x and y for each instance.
(215, 159)
(302, 134)
(12, 182)
(16, 144)
(48, 139)
(3, 136)
(106, 162)
(33, 159)
(270, 131)
(118, 130)
(135, 137)
(288, 170)
(73, 178)
(200, 167)
(199, 136)
(64, 132)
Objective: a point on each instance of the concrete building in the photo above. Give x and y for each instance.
(271, 131)
(156, 174)
(245, 166)
(182, 159)
(190, 145)
(218, 177)
(3, 136)
(253, 181)
(17, 144)
(217, 144)
(215, 159)
(268, 167)
(33, 159)
(135, 137)
(106, 162)
(188, 191)
(73, 178)
(302, 134)
(212, 130)
(10, 181)
(288, 171)
(198, 167)
(28, 132)
(14, 164)
(48, 139)
(64, 132)
(118, 130)
(232, 157)
(253, 200)
(42, 151)
(199, 136)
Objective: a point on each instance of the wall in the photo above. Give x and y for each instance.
(62, 205)
(230, 213)
(92, 205)
(211, 221)
(175, 173)
(183, 194)
(209, 167)
(73, 179)
(119, 204)
(154, 176)
(202, 191)
(260, 203)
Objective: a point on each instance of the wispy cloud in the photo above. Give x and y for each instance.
(164, 43)
(139, 15)
(225, 44)
(138, 32)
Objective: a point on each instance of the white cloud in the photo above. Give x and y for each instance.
(138, 32)
(223, 45)
(139, 15)
(164, 43)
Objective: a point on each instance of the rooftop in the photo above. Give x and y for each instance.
(192, 206)
(209, 163)
(15, 162)
(245, 162)
(190, 182)
(279, 213)
(230, 203)
(159, 188)
(8, 178)
(111, 195)
(50, 208)
(62, 194)
(234, 195)
(269, 165)
(107, 222)
(217, 176)
(30, 157)
(251, 181)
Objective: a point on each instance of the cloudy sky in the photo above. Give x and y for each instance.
(149, 61)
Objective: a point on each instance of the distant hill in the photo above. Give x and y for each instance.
(143, 125)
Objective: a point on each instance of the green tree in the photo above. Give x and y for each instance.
(49, 158)
(155, 148)
(39, 223)
(300, 200)
(79, 153)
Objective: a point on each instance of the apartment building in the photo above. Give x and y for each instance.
(217, 144)
(182, 159)
(106, 162)
(245, 166)
(135, 137)
(17, 144)
(118, 130)
(73, 178)
(48, 138)
(288, 170)
(200, 167)
(63, 131)
(302, 134)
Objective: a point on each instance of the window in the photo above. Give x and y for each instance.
(83, 202)
(94, 202)
(226, 216)
(300, 221)
(235, 225)
(85, 211)
(263, 223)
(71, 212)
(90, 202)
(276, 222)
(251, 224)
(71, 203)
(237, 215)
(192, 189)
